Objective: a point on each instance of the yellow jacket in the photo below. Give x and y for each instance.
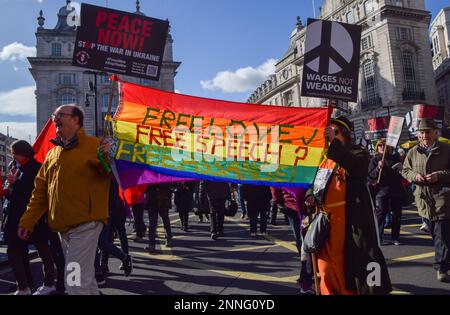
(71, 185)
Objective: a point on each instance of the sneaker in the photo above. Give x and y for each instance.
(443, 277)
(127, 265)
(44, 290)
(214, 236)
(26, 291)
(307, 292)
(151, 249)
(253, 234)
(100, 278)
(263, 233)
(169, 242)
(424, 227)
(397, 243)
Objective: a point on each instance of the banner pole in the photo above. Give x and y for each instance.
(108, 118)
(381, 169)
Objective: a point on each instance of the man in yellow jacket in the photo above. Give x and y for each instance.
(73, 188)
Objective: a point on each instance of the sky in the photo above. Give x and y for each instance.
(227, 47)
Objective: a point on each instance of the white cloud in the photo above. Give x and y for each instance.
(20, 130)
(20, 101)
(15, 68)
(242, 80)
(40, 1)
(17, 51)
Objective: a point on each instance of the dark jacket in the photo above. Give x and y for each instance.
(184, 196)
(391, 180)
(432, 200)
(18, 199)
(257, 196)
(214, 190)
(158, 197)
(361, 242)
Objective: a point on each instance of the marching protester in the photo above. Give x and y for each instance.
(216, 193)
(106, 239)
(427, 165)
(352, 242)
(258, 204)
(200, 209)
(184, 199)
(158, 202)
(77, 208)
(21, 184)
(291, 201)
(389, 190)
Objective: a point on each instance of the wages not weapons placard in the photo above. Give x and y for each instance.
(331, 61)
(120, 42)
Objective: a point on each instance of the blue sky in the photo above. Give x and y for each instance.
(226, 47)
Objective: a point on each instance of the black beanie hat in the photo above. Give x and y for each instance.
(344, 122)
(23, 148)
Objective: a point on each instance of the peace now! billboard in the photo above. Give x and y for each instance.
(120, 42)
(331, 61)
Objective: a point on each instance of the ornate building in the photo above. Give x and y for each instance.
(5, 154)
(59, 83)
(440, 37)
(395, 68)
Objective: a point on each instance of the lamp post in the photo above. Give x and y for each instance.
(93, 89)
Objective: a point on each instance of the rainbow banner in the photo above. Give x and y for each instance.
(162, 136)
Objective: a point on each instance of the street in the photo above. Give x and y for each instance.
(240, 265)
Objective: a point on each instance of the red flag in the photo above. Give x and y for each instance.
(133, 195)
(42, 144)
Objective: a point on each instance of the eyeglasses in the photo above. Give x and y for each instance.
(59, 115)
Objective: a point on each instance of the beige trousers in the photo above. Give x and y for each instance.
(79, 247)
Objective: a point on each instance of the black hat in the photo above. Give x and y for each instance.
(344, 122)
(427, 124)
(21, 147)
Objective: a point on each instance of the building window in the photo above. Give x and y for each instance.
(404, 33)
(436, 48)
(105, 103)
(370, 82)
(56, 49)
(368, 7)
(409, 72)
(67, 99)
(67, 78)
(104, 79)
(399, 3)
(287, 98)
(349, 17)
(366, 42)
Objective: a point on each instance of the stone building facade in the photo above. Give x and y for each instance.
(440, 38)
(395, 67)
(58, 82)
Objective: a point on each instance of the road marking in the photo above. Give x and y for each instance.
(288, 245)
(398, 292)
(236, 274)
(410, 258)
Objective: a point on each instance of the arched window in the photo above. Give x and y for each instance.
(56, 49)
(409, 73)
(105, 103)
(370, 82)
(349, 17)
(67, 98)
(368, 7)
